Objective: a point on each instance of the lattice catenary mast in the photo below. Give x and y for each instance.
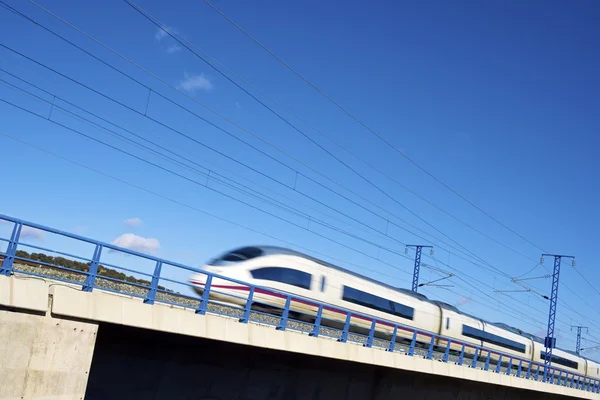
(418, 247)
(550, 340)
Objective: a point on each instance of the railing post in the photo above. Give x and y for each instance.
(371, 334)
(528, 371)
(570, 381)
(509, 369)
(393, 341)
(447, 352)
(151, 296)
(344, 337)
(430, 350)
(205, 296)
(93, 271)
(248, 307)
(413, 343)
(462, 355)
(487, 361)
(286, 312)
(537, 372)
(499, 364)
(520, 368)
(317, 326)
(11, 251)
(475, 358)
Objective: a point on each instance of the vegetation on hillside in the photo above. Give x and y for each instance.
(83, 267)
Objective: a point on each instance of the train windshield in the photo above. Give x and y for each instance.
(241, 254)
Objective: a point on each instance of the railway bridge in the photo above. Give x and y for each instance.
(83, 321)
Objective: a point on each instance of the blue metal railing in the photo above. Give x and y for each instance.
(400, 338)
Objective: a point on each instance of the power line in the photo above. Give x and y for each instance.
(198, 183)
(392, 251)
(224, 155)
(155, 92)
(244, 202)
(378, 136)
(382, 247)
(177, 38)
(187, 205)
(169, 31)
(351, 115)
(194, 208)
(151, 91)
(294, 127)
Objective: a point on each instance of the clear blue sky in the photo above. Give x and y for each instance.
(499, 101)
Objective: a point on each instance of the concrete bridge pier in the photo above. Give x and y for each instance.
(41, 357)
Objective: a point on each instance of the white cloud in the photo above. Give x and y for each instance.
(173, 48)
(463, 300)
(160, 34)
(137, 243)
(133, 222)
(195, 82)
(33, 233)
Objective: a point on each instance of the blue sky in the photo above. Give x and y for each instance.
(499, 101)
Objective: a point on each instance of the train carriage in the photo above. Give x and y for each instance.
(562, 359)
(453, 324)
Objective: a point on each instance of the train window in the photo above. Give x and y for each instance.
(323, 283)
(493, 339)
(447, 323)
(378, 303)
(241, 254)
(284, 275)
(560, 360)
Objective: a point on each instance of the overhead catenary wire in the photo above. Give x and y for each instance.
(231, 158)
(399, 254)
(230, 121)
(364, 125)
(171, 101)
(293, 245)
(378, 136)
(178, 37)
(301, 132)
(330, 227)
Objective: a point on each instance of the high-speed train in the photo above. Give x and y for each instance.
(298, 274)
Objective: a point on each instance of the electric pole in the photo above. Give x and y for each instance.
(415, 281)
(578, 345)
(550, 340)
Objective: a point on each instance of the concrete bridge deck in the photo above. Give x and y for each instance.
(59, 342)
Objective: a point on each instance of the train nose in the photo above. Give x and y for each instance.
(198, 278)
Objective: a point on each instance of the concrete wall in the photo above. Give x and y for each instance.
(138, 363)
(43, 357)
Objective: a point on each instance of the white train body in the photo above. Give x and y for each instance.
(291, 272)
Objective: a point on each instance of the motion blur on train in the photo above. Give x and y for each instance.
(301, 275)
